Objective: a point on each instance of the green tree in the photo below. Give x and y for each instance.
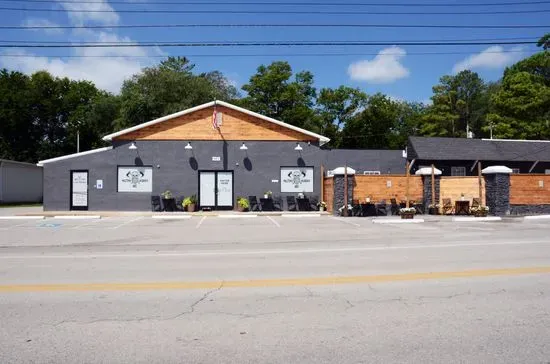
(271, 92)
(168, 88)
(335, 107)
(544, 42)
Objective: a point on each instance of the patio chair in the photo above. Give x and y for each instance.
(356, 208)
(253, 202)
(313, 203)
(291, 203)
(394, 207)
(179, 203)
(382, 208)
(447, 206)
(476, 202)
(277, 203)
(155, 203)
(419, 207)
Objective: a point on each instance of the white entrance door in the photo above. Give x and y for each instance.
(79, 190)
(207, 196)
(225, 189)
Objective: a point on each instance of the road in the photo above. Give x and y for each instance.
(275, 290)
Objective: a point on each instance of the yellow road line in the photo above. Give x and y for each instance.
(315, 281)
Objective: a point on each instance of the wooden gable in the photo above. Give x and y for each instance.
(198, 126)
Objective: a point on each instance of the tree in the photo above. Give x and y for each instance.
(168, 88)
(458, 106)
(335, 107)
(544, 42)
(272, 93)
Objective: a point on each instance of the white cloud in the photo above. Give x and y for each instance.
(384, 68)
(494, 57)
(78, 12)
(107, 68)
(39, 22)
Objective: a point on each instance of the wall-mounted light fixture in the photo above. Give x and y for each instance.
(188, 146)
(132, 146)
(298, 147)
(243, 147)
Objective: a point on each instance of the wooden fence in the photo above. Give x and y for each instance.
(529, 189)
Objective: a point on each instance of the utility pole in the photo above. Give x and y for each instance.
(77, 141)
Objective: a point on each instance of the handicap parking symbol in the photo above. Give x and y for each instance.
(49, 225)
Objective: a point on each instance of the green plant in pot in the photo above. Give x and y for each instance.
(189, 203)
(322, 206)
(407, 212)
(167, 195)
(433, 209)
(480, 211)
(268, 194)
(243, 204)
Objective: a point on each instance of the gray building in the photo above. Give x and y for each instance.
(20, 182)
(216, 151)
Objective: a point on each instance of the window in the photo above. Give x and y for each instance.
(458, 171)
(515, 171)
(371, 173)
(547, 171)
(296, 179)
(135, 179)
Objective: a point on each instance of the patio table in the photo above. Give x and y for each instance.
(267, 204)
(462, 207)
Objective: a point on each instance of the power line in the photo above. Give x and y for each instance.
(247, 55)
(306, 12)
(289, 25)
(280, 3)
(255, 44)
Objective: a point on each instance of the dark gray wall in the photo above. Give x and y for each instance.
(20, 182)
(385, 161)
(177, 170)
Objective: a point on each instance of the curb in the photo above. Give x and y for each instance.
(397, 221)
(77, 217)
(538, 217)
(22, 217)
(477, 219)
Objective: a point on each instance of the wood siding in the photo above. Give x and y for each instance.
(454, 187)
(328, 192)
(526, 189)
(376, 187)
(198, 126)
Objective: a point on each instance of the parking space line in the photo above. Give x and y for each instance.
(347, 222)
(90, 223)
(200, 222)
(273, 221)
(127, 222)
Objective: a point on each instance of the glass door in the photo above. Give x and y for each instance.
(79, 190)
(225, 189)
(207, 186)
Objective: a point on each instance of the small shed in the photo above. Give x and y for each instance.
(20, 182)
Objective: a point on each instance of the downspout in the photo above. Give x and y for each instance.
(1, 181)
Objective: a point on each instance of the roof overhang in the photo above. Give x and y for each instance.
(322, 139)
(69, 156)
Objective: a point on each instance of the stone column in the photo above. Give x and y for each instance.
(426, 174)
(497, 190)
(338, 201)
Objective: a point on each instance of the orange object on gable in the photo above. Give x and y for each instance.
(198, 126)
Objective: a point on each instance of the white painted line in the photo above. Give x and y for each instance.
(89, 223)
(127, 222)
(172, 217)
(200, 222)
(273, 221)
(346, 221)
(476, 219)
(22, 217)
(300, 215)
(77, 217)
(236, 216)
(397, 221)
(538, 217)
(271, 252)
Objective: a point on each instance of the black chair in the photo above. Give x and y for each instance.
(277, 203)
(313, 201)
(382, 208)
(394, 207)
(179, 203)
(419, 207)
(303, 204)
(291, 203)
(155, 203)
(253, 201)
(266, 204)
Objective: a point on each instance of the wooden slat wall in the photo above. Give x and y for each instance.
(328, 192)
(376, 187)
(525, 189)
(198, 126)
(453, 187)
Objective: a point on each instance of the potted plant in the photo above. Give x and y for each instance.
(480, 211)
(433, 209)
(268, 194)
(189, 203)
(407, 212)
(167, 195)
(242, 204)
(462, 198)
(322, 206)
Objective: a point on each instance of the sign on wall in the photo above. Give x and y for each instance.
(296, 179)
(135, 179)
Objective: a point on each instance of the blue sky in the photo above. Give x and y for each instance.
(392, 70)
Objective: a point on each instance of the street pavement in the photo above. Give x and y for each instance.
(273, 290)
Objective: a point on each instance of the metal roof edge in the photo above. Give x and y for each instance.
(74, 155)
